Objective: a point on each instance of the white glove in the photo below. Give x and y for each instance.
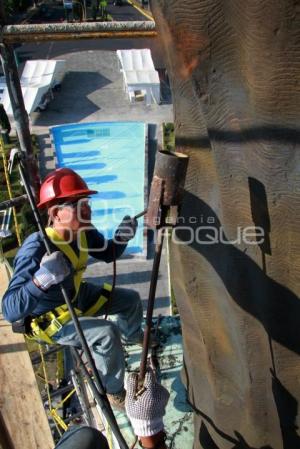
(126, 229)
(146, 411)
(53, 270)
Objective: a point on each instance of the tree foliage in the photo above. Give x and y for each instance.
(12, 7)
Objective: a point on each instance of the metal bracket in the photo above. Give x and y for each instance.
(153, 213)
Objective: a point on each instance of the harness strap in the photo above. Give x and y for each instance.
(105, 295)
(58, 317)
(58, 320)
(79, 264)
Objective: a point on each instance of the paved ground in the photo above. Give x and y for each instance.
(178, 420)
(48, 11)
(92, 90)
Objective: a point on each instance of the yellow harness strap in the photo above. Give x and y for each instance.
(104, 296)
(79, 263)
(61, 315)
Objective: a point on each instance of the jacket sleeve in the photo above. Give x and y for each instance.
(22, 294)
(101, 248)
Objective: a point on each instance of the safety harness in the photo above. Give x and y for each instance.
(45, 326)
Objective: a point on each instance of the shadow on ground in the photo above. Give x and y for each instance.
(73, 108)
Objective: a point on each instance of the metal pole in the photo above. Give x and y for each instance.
(151, 298)
(10, 70)
(165, 197)
(15, 93)
(19, 111)
(101, 396)
(82, 366)
(13, 202)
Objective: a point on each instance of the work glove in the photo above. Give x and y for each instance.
(126, 229)
(145, 411)
(53, 270)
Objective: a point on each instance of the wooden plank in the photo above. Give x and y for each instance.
(20, 402)
(4, 279)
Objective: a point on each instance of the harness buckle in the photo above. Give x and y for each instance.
(56, 324)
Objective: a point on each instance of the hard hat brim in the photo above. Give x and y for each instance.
(77, 194)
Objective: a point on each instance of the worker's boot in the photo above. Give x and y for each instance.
(154, 342)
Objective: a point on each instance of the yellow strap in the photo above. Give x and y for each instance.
(58, 419)
(100, 302)
(58, 322)
(64, 316)
(79, 263)
(38, 333)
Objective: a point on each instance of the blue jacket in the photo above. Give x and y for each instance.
(24, 298)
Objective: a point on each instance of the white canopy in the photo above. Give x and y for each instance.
(32, 98)
(37, 78)
(147, 82)
(139, 75)
(42, 71)
(135, 59)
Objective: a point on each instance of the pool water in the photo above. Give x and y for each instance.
(110, 157)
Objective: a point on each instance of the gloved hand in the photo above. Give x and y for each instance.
(146, 411)
(126, 229)
(53, 270)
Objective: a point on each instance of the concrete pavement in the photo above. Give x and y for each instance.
(92, 90)
(50, 11)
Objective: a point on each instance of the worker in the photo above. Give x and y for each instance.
(144, 411)
(33, 300)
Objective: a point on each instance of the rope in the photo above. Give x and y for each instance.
(9, 191)
(58, 421)
(47, 389)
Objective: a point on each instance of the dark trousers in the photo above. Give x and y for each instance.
(82, 438)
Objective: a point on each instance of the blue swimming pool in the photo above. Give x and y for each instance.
(110, 157)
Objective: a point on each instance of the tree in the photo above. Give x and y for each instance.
(13, 6)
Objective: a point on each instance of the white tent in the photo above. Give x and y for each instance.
(43, 71)
(135, 59)
(146, 82)
(32, 96)
(38, 78)
(139, 75)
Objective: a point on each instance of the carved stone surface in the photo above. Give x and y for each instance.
(234, 72)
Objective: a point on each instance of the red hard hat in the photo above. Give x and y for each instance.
(62, 183)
